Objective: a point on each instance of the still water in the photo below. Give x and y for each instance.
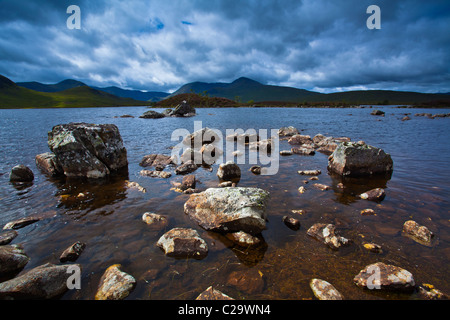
(108, 218)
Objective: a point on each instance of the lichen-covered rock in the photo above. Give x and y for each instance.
(357, 159)
(309, 172)
(115, 284)
(385, 277)
(243, 239)
(12, 259)
(300, 139)
(183, 243)
(88, 150)
(324, 290)
(213, 294)
(229, 209)
(229, 171)
(21, 173)
(44, 282)
(429, 292)
(418, 233)
(328, 235)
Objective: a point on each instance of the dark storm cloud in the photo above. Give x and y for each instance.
(321, 45)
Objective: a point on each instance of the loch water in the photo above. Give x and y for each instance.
(108, 218)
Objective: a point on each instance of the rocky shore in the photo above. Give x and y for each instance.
(90, 151)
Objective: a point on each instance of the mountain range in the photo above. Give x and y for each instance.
(245, 90)
(73, 93)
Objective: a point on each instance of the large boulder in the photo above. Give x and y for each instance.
(229, 209)
(88, 150)
(359, 159)
(44, 282)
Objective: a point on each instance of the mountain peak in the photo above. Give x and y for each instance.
(6, 83)
(245, 81)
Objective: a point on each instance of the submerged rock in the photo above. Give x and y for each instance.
(213, 294)
(324, 290)
(291, 223)
(418, 233)
(88, 150)
(243, 239)
(115, 284)
(229, 209)
(44, 282)
(12, 259)
(357, 159)
(250, 281)
(373, 247)
(429, 292)
(183, 243)
(155, 221)
(377, 194)
(21, 173)
(328, 235)
(385, 277)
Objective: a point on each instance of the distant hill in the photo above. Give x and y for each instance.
(69, 84)
(244, 90)
(135, 94)
(63, 85)
(196, 100)
(14, 96)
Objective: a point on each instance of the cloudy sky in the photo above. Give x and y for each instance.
(320, 45)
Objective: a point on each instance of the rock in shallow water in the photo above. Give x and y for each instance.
(357, 159)
(12, 259)
(418, 233)
(115, 284)
(324, 290)
(328, 235)
(21, 173)
(229, 209)
(43, 282)
(213, 294)
(385, 277)
(183, 243)
(88, 150)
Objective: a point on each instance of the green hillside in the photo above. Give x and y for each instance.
(13, 96)
(244, 90)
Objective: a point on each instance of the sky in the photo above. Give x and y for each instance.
(159, 45)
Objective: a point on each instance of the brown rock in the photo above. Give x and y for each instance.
(419, 233)
(377, 194)
(21, 173)
(73, 252)
(385, 277)
(20, 223)
(328, 235)
(48, 163)
(7, 236)
(115, 284)
(183, 243)
(291, 223)
(249, 281)
(324, 290)
(12, 259)
(155, 221)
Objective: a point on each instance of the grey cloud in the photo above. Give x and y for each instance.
(160, 45)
